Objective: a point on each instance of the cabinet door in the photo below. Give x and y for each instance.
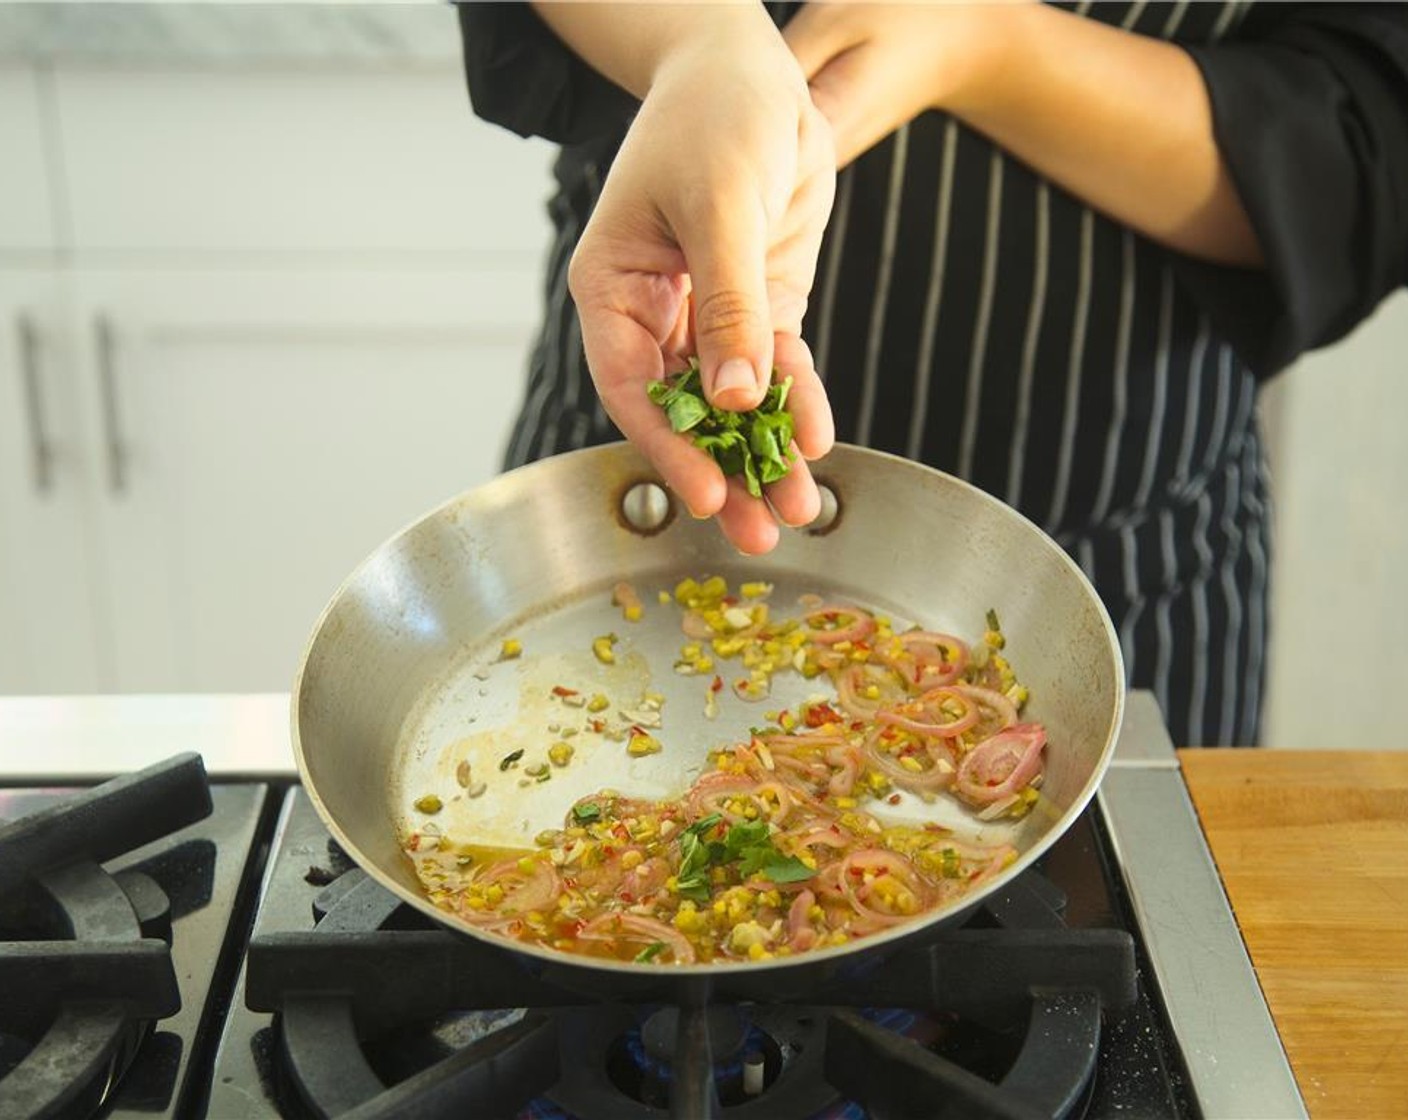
(261, 433)
(47, 637)
(312, 160)
(26, 221)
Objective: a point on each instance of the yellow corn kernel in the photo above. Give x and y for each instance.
(756, 952)
(846, 803)
(642, 744)
(527, 864)
(494, 895)
(994, 639)
(686, 590)
(598, 703)
(429, 804)
(745, 935)
(815, 913)
(631, 859)
(634, 612)
(602, 647)
(511, 648)
(474, 903)
(689, 920)
(560, 754)
(910, 763)
(663, 598)
(714, 588)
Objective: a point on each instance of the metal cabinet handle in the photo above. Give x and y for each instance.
(41, 446)
(112, 419)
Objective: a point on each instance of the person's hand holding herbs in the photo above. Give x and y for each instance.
(704, 244)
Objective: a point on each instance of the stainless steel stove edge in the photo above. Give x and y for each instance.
(1234, 1056)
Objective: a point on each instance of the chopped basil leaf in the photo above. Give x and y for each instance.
(651, 951)
(787, 869)
(509, 759)
(686, 411)
(586, 812)
(748, 845)
(743, 836)
(992, 620)
(756, 444)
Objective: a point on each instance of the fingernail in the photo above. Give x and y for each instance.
(734, 376)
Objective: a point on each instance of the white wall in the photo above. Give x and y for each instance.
(1339, 459)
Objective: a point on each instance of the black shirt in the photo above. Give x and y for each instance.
(971, 315)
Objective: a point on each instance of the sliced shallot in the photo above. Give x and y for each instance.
(847, 624)
(638, 928)
(1001, 765)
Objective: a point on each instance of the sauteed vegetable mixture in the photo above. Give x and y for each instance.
(772, 851)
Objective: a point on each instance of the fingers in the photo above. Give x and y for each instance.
(795, 499)
(615, 342)
(813, 425)
(746, 521)
(725, 241)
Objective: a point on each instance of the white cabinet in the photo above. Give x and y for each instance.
(260, 433)
(312, 161)
(48, 636)
(26, 216)
(284, 314)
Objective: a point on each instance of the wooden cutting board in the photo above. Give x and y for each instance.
(1313, 851)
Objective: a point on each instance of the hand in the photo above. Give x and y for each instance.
(875, 67)
(705, 240)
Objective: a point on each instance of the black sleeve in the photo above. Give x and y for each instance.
(523, 77)
(1310, 108)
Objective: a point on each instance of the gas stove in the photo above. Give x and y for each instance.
(188, 941)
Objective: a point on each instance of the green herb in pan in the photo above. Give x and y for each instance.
(651, 951)
(756, 444)
(510, 759)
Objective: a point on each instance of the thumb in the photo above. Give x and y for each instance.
(726, 254)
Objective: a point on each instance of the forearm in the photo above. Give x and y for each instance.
(629, 42)
(1120, 120)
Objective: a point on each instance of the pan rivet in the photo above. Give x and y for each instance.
(830, 508)
(645, 507)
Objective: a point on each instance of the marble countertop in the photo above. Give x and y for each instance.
(390, 35)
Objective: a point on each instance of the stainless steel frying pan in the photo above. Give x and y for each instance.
(402, 681)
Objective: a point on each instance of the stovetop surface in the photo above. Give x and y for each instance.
(262, 863)
(204, 872)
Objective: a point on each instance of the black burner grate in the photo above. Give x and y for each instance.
(361, 984)
(85, 963)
